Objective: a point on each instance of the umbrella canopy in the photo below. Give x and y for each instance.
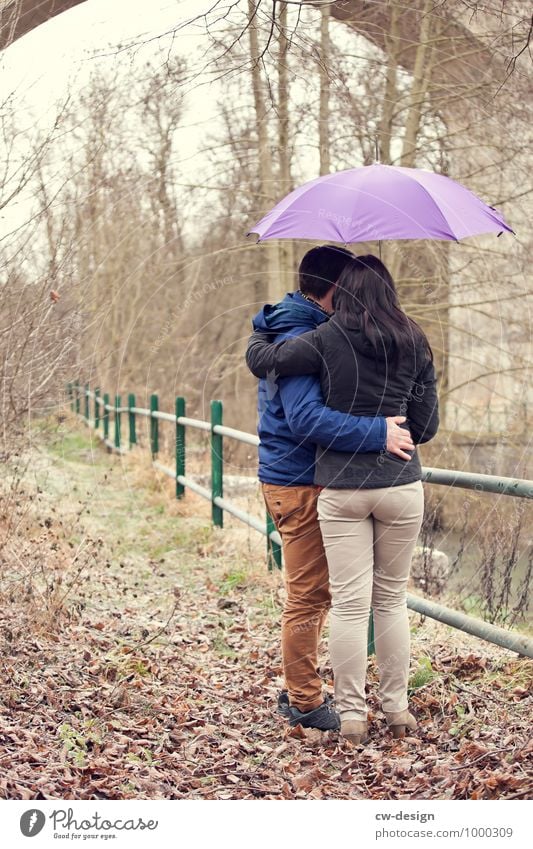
(380, 202)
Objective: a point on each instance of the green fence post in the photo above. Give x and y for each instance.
(154, 425)
(180, 446)
(370, 649)
(105, 416)
(70, 395)
(217, 471)
(96, 408)
(117, 421)
(87, 413)
(273, 548)
(131, 419)
(77, 398)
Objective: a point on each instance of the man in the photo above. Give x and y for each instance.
(293, 419)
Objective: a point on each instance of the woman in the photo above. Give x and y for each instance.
(373, 360)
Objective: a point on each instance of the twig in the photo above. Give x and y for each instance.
(136, 646)
(484, 755)
(482, 696)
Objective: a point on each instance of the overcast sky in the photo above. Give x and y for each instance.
(58, 57)
(59, 54)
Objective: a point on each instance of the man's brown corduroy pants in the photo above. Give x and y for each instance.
(294, 512)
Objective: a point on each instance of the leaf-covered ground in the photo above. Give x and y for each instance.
(140, 659)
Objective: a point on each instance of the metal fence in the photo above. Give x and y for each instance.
(103, 409)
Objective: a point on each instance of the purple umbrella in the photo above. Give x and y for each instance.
(380, 202)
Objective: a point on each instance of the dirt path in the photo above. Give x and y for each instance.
(140, 659)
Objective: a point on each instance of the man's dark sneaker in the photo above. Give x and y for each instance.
(324, 717)
(284, 707)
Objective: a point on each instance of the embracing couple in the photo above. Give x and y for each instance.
(347, 391)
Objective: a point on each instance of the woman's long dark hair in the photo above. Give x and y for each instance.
(366, 297)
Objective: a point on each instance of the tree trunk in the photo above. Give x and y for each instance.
(285, 248)
(270, 283)
(391, 91)
(323, 119)
(419, 87)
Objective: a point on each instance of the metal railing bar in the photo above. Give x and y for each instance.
(167, 417)
(239, 435)
(257, 524)
(200, 490)
(229, 507)
(197, 423)
(275, 536)
(165, 469)
(517, 487)
(464, 622)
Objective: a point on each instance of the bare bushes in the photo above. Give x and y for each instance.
(43, 558)
(489, 550)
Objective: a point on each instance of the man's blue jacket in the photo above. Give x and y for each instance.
(293, 418)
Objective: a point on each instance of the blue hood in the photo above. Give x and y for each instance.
(294, 314)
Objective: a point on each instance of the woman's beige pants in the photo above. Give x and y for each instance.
(369, 536)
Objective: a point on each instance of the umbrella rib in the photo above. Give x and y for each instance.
(305, 188)
(441, 213)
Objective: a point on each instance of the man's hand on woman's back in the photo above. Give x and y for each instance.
(398, 438)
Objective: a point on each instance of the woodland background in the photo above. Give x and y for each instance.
(146, 246)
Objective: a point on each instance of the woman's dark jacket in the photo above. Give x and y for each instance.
(357, 380)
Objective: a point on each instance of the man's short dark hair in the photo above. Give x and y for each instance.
(320, 269)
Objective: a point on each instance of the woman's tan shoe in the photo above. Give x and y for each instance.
(354, 730)
(400, 722)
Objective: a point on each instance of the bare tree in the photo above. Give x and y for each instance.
(286, 254)
(264, 152)
(323, 115)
